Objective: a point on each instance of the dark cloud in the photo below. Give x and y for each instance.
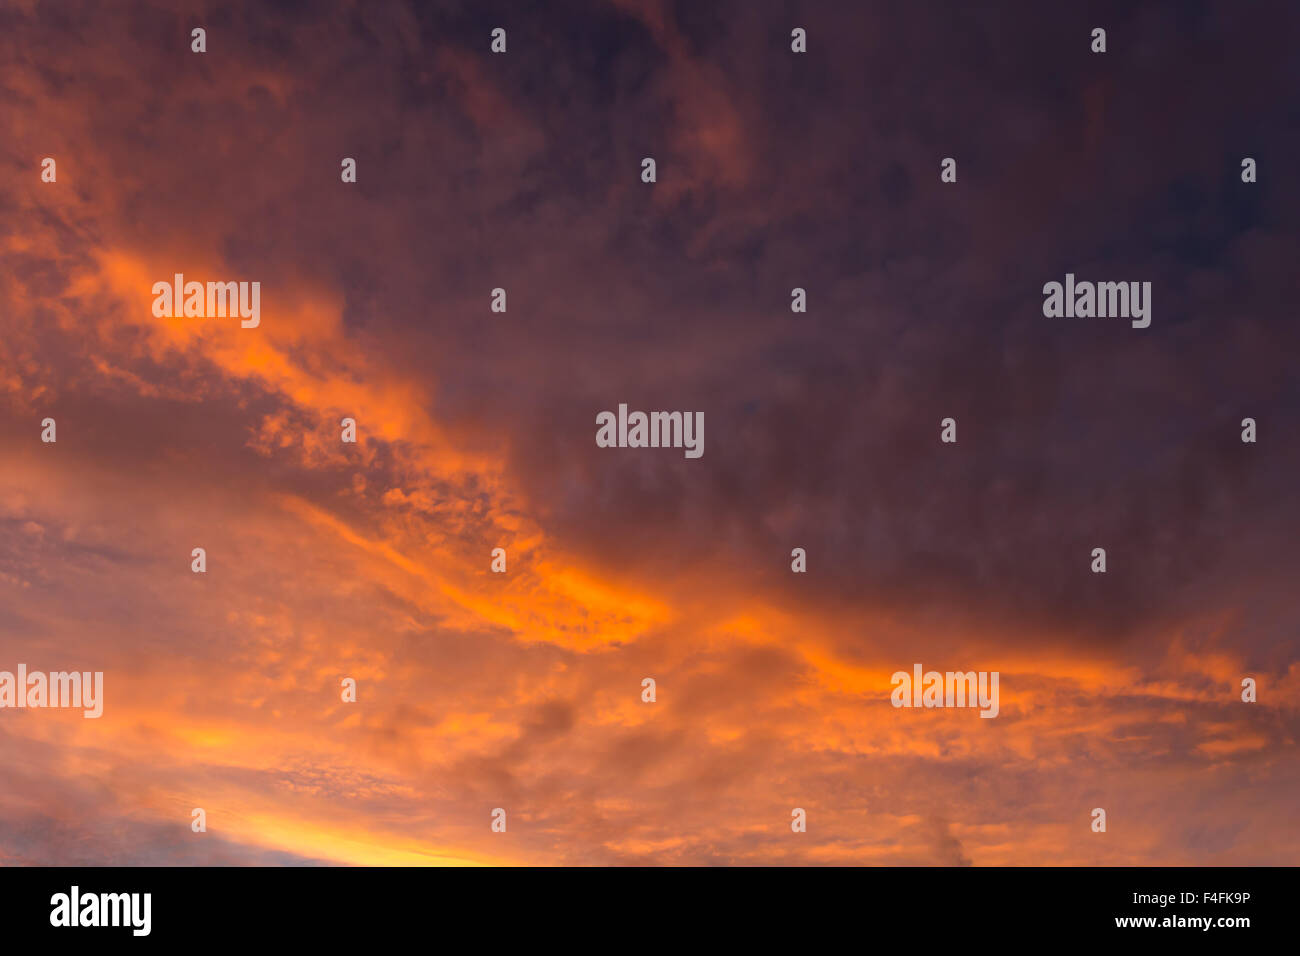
(822, 429)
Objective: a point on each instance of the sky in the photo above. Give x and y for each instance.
(476, 430)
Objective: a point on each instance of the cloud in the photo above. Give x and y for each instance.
(476, 430)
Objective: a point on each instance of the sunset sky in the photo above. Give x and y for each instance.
(476, 430)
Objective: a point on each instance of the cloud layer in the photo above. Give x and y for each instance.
(476, 430)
